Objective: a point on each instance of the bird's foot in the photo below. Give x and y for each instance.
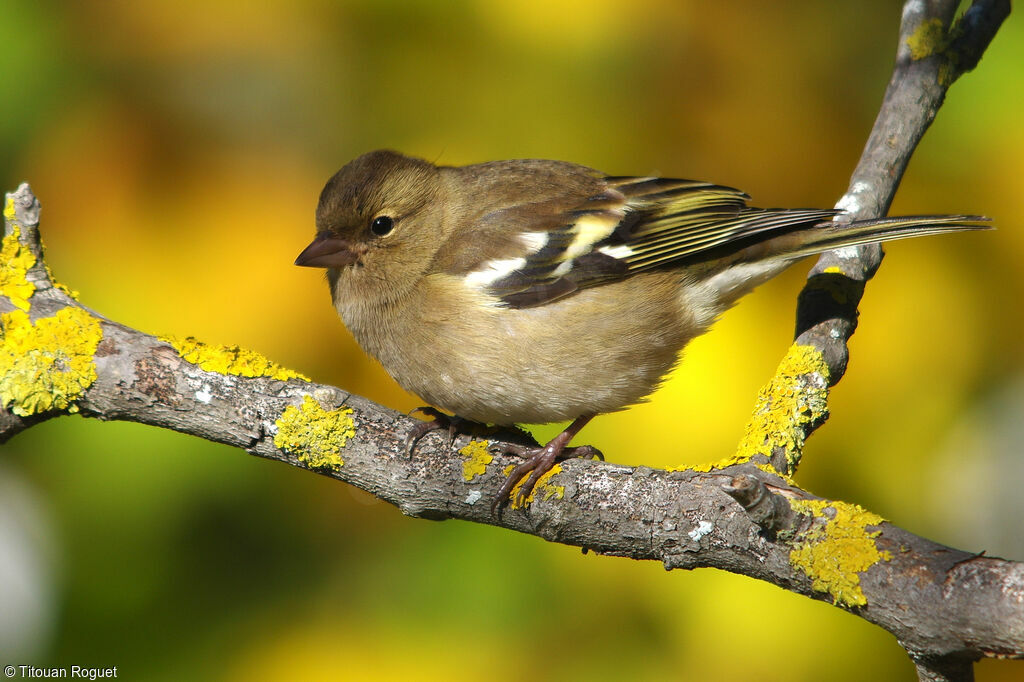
(454, 424)
(539, 461)
(439, 420)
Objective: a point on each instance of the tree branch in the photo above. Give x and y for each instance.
(947, 607)
(931, 54)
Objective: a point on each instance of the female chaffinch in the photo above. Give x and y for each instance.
(534, 291)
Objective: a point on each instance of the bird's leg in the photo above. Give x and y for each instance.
(539, 461)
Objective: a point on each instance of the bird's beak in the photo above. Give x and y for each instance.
(327, 251)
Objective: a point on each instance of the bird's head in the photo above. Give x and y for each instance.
(379, 224)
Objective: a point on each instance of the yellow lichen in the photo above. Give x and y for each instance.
(795, 397)
(929, 38)
(477, 459)
(708, 466)
(932, 39)
(71, 293)
(316, 436)
(230, 360)
(948, 72)
(15, 261)
(544, 487)
(49, 364)
(837, 548)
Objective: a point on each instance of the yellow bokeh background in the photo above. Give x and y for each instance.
(178, 150)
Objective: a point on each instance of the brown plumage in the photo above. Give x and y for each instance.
(538, 291)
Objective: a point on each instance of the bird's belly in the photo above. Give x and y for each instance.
(489, 387)
(556, 362)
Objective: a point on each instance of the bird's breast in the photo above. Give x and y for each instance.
(596, 351)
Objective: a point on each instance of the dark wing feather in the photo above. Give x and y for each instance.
(634, 225)
(536, 231)
(547, 229)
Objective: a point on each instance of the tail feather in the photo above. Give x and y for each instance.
(830, 235)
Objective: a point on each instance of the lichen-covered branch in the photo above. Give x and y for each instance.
(57, 357)
(743, 514)
(932, 52)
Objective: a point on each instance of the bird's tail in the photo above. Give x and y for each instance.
(829, 235)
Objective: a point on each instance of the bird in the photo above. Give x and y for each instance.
(533, 291)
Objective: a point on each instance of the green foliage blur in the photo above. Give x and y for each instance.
(178, 149)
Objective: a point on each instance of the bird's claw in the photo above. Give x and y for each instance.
(539, 461)
(453, 423)
(440, 421)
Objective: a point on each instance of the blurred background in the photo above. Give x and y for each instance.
(178, 150)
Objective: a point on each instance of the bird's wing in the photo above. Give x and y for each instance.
(629, 225)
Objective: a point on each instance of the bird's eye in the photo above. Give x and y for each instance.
(382, 225)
